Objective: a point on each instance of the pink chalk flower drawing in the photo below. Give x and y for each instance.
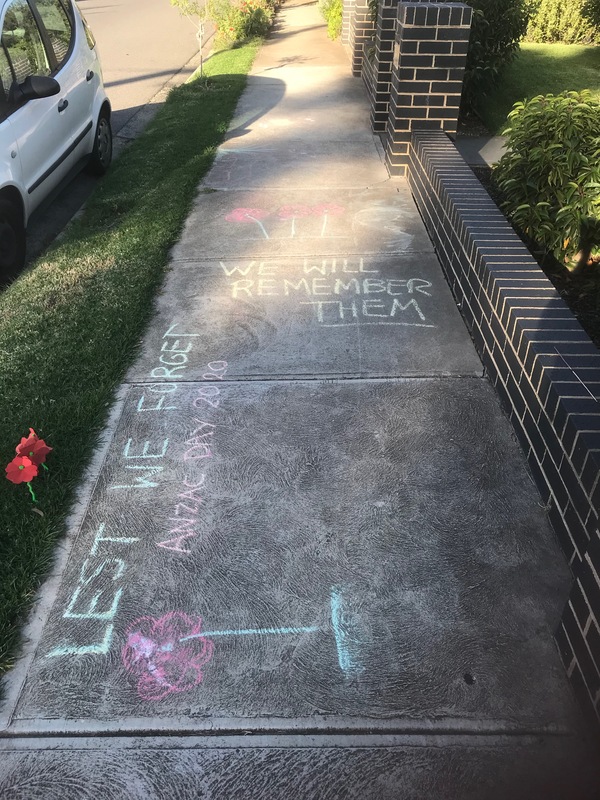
(249, 215)
(327, 210)
(294, 213)
(166, 654)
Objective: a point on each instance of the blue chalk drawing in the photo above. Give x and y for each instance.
(345, 641)
(252, 632)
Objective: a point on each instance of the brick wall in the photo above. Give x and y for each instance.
(430, 53)
(358, 31)
(545, 370)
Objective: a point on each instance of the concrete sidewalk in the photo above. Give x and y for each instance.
(310, 561)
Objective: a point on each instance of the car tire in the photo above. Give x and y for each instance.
(12, 241)
(102, 153)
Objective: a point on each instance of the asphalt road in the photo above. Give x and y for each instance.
(144, 47)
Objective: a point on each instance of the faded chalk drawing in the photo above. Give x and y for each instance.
(305, 222)
(346, 641)
(166, 654)
(293, 213)
(327, 210)
(387, 222)
(249, 215)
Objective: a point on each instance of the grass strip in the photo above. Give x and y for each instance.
(542, 69)
(71, 325)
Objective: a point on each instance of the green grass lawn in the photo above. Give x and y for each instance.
(71, 324)
(542, 69)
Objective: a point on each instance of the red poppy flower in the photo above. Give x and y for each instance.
(33, 447)
(21, 470)
(166, 654)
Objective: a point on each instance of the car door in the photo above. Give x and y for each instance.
(64, 37)
(39, 126)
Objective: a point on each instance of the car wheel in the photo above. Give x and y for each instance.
(12, 241)
(102, 153)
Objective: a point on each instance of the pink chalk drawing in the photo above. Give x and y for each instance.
(327, 210)
(166, 654)
(249, 215)
(294, 212)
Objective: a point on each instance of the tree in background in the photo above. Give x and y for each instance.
(565, 22)
(497, 29)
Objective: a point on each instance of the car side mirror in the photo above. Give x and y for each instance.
(34, 87)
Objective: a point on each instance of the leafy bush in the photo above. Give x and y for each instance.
(237, 23)
(550, 175)
(332, 13)
(560, 21)
(498, 27)
(591, 12)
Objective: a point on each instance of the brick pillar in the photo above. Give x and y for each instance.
(430, 53)
(347, 14)
(361, 29)
(385, 35)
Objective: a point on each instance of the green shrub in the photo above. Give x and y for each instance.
(591, 12)
(560, 21)
(550, 175)
(498, 27)
(237, 23)
(332, 13)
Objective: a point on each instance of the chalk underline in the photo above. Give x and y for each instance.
(251, 632)
(360, 324)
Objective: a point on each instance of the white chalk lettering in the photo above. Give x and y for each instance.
(320, 287)
(369, 305)
(241, 286)
(229, 271)
(174, 358)
(296, 287)
(176, 348)
(84, 579)
(100, 649)
(91, 612)
(141, 481)
(145, 453)
(182, 335)
(113, 539)
(373, 286)
(163, 372)
(398, 305)
(267, 286)
(351, 285)
(160, 406)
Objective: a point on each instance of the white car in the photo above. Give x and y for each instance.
(54, 112)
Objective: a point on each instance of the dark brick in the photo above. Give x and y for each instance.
(579, 604)
(582, 654)
(590, 469)
(406, 33)
(562, 532)
(589, 584)
(564, 646)
(592, 638)
(414, 61)
(435, 47)
(431, 74)
(555, 481)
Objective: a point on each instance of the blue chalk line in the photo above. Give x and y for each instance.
(251, 632)
(344, 642)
